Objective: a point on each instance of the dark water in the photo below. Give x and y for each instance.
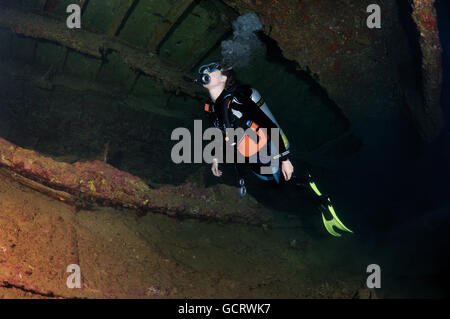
(401, 192)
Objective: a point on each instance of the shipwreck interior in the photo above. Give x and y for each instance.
(86, 117)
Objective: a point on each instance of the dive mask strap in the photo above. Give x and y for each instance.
(211, 67)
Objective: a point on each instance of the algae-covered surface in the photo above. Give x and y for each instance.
(123, 255)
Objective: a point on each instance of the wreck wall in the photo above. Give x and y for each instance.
(359, 67)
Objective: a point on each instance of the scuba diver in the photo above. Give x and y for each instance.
(263, 145)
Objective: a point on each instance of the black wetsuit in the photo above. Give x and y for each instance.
(234, 108)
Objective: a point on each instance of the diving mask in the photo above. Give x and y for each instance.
(210, 68)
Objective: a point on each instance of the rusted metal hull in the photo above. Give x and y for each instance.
(97, 181)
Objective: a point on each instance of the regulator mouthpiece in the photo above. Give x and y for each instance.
(205, 79)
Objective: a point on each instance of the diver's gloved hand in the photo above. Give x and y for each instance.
(215, 168)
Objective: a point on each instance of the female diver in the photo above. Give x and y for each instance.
(263, 145)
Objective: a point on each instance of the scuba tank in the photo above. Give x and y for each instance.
(258, 99)
(260, 102)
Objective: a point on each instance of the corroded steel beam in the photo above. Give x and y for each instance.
(120, 16)
(98, 181)
(161, 30)
(424, 15)
(97, 45)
